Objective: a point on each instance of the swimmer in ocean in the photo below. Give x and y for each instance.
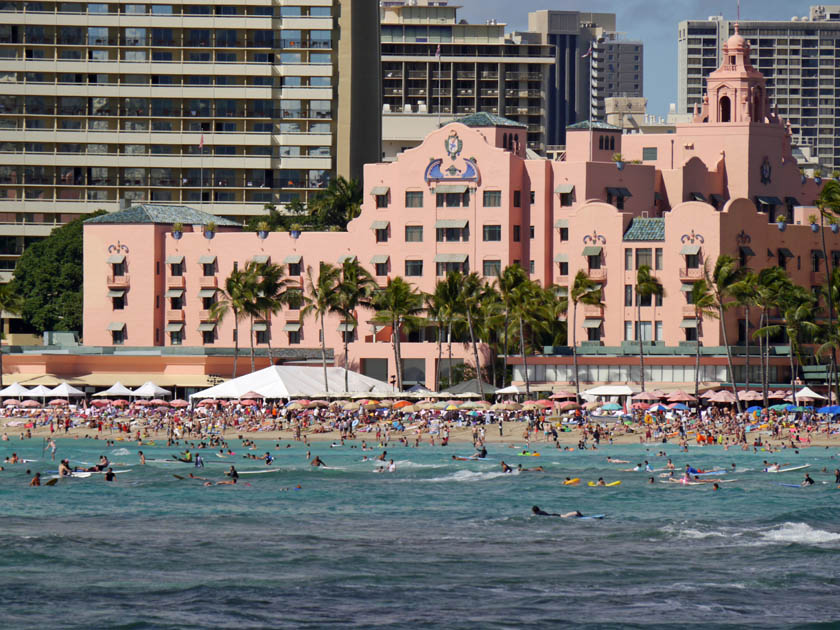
(538, 512)
(317, 462)
(506, 468)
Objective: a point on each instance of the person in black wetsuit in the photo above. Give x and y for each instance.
(539, 512)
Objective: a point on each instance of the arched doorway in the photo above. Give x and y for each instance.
(725, 108)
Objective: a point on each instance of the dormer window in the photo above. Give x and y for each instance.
(732, 60)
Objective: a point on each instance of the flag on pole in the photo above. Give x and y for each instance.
(437, 54)
(588, 53)
(201, 142)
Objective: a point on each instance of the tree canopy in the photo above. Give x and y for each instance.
(48, 277)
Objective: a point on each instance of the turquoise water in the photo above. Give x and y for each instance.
(439, 543)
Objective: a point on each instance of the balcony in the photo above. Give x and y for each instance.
(208, 282)
(691, 274)
(117, 281)
(174, 315)
(597, 274)
(175, 282)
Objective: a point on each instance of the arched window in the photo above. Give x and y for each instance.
(725, 110)
(601, 142)
(757, 114)
(516, 143)
(612, 143)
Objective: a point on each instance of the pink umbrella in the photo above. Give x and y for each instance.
(141, 403)
(120, 402)
(723, 396)
(659, 393)
(681, 396)
(561, 396)
(11, 402)
(252, 395)
(100, 403)
(208, 401)
(59, 402)
(708, 395)
(158, 402)
(569, 405)
(750, 395)
(179, 403)
(648, 396)
(641, 405)
(545, 403)
(248, 403)
(30, 404)
(780, 394)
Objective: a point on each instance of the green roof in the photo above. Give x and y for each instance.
(645, 230)
(485, 119)
(166, 214)
(586, 124)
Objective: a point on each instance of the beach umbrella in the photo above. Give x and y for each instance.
(780, 407)
(248, 402)
(295, 406)
(778, 395)
(178, 402)
(591, 406)
(681, 396)
(750, 396)
(317, 403)
(30, 404)
(425, 405)
(468, 405)
(208, 401)
(39, 391)
(611, 407)
(120, 402)
(566, 406)
(545, 403)
(402, 403)
(641, 405)
(724, 397)
(678, 406)
(59, 402)
(150, 390)
(350, 406)
(562, 395)
(100, 403)
(252, 394)
(531, 406)
(409, 409)
(66, 391)
(158, 402)
(645, 396)
(658, 407)
(11, 402)
(451, 408)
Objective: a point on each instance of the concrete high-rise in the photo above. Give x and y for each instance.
(434, 63)
(798, 59)
(227, 107)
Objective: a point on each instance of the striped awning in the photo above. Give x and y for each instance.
(261, 259)
(784, 251)
(561, 223)
(451, 258)
(346, 327)
(380, 225)
(690, 250)
(379, 259)
(746, 250)
(175, 327)
(687, 288)
(292, 327)
(116, 259)
(174, 260)
(261, 326)
(688, 323)
(206, 326)
(346, 258)
(564, 189)
(380, 190)
(591, 322)
(292, 259)
(451, 188)
(116, 293)
(174, 293)
(592, 250)
(207, 293)
(206, 260)
(561, 258)
(114, 326)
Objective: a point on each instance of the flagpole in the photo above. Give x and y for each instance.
(438, 83)
(201, 173)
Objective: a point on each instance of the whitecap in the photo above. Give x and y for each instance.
(800, 533)
(121, 451)
(468, 475)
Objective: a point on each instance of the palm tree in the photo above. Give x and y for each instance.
(490, 319)
(354, 290)
(584, 291)
(436, 313)
(11, 303)
(398, 305)
(744, 291)
(507, 283)
(828, 203)
(448, 294)
(704, 308)
(768, 287)
(234, 298)
(646, 287)
(472, 294)
(253, 306)
(338, 204)
(319, 301)
(721, 281)
(272, 291)
(524, 309)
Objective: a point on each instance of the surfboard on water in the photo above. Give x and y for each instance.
(102, 472)
(572, 482)
(782, 470)
(258, 472)
(52, 482)
(465, 458)
(594, 484)
(709, 473)
(790, 485)
(592, 517)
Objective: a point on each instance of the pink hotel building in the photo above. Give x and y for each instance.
(470, 198)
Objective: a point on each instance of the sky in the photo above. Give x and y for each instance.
(654, 22)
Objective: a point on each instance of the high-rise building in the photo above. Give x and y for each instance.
(591, 62)
(798, 59)
(432, 63)
(225, 106)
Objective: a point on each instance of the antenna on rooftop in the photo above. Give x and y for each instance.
(739, 10)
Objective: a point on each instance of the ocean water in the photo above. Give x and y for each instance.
(438, 544)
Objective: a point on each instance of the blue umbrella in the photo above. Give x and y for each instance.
(753, 409)
(680, 406)
(611, 407)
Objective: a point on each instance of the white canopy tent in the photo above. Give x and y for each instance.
(806, 393)
(66, 391)
(40, 392)
(150, 390)
(510, 389)
(288, 381)
(15, 389)
(117, 389)
(609, 390)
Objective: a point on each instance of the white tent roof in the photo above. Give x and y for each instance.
(117, 389)
(807, 392)
(65, 391)
(40, 392)
(609, 390)
(510, 389)
(15, 389)
(285, 381)
(151, 390)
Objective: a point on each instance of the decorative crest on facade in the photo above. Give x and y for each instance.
(692, 237)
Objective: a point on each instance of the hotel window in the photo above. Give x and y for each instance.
(628, 295)
(452, 235)
(176, 303)
(628, 259)
(118, 269)
(644, 300)
(294, 337)
(118, 302)
(593, 334)
(692, 261)
(413, 268)
(566, 199)
(531, 232)
(491, 268)
(413, 199)
(594, 261)
(413, 233)
(295, 269)
(209, 269)
(176, 269)
(649, 154)
(690, 334)
(443, 268)
(564, 234)
(294, 299)
(382, 200)
(646, 331)
(492, 198)
(564, 269)
(208, 302)
(659, 259)
(532, 196)
(382, 235)
(452, 200)
(659, 299)
(492, 232)
(660, 335)
(118, 337)
(628, 331)
(382, 269)
(644, 256)
(816, 255)
(531, 266)
(262, 336)
(517, 233)
(517, 198)
(176, 337)
(208, 336)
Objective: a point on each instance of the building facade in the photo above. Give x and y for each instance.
(224, 106)
(617, 72)
(798, 59)
(433, 63)
(470, 199)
